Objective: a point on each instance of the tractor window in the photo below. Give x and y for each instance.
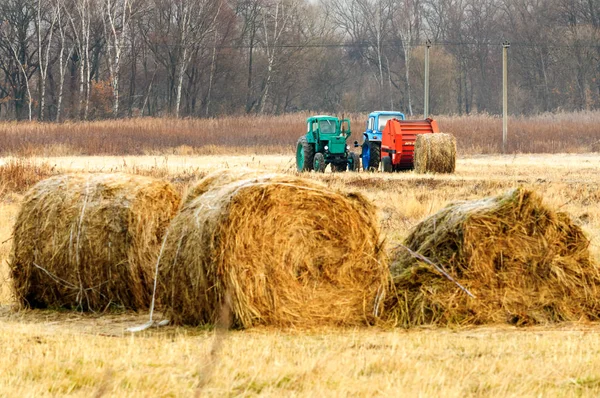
(327, 126)
(308, 127)
(383, 119)
(370, 123)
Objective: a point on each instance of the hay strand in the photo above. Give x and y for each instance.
(435, 153)
(287, 251)
(90, 241)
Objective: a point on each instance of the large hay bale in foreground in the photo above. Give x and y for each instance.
(525, 264)
(90, 241)
(435, 153)
(219, 178)
(280, 250)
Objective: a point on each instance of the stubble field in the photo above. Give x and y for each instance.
(44, 353)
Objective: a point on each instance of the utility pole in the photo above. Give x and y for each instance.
(426, 96)
(505, 47)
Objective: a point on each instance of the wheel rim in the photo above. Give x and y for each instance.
(300, 158)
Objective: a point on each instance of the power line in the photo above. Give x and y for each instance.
(399, 44)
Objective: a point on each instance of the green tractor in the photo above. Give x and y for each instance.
(325, 143)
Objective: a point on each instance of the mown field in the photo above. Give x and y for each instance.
(44, 353)
(50, 353)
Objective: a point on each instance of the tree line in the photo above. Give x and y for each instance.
(94, 59)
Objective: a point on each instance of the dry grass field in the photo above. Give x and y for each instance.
(45, 353)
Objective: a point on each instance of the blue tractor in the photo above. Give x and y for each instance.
(371, 146)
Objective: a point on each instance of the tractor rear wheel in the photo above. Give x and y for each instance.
(387, 164)
(305, 153)
(354, 164)
(375, 149)
(319, 163)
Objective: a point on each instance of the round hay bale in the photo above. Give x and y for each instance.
(435, 153)
(279, 250)
(219, 178)
(90, 241)
(525, 264)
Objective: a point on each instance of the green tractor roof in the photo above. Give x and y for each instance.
(322, 117)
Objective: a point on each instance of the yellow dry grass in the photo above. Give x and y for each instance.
(50, 354)
(80, 357)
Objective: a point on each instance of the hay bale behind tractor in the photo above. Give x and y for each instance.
(435, 153)
(90, 241)
(525, 264)
(280, 250)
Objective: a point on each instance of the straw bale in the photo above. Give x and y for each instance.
(435, 153)
(219, 178)
(279, 250)
(524, 262)
(90, 241)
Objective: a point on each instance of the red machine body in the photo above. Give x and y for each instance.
(398, 142)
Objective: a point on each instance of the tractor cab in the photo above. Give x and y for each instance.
(329, 133)
(371, 146)
(325, 143)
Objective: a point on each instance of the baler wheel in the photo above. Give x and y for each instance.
(387, 164)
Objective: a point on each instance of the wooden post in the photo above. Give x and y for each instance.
(505, 47)
(426, 96)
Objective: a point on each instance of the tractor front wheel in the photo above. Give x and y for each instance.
(319, 163)
(387, 164)
(305, 154)
(375, 149)
(371, 155)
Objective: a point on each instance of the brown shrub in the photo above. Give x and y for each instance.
(18, 175)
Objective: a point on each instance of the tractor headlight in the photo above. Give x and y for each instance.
(326, 148)
(347, 147)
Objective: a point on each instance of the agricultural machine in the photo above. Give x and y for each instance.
(371, 146)
(398, 142)
(325, 143)
(390, 139)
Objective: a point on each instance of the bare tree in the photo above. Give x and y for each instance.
(44, 38)
(276, 17)
(116, 15)
(18, 50)
(6, 33)
(62, 60)
(367, 23)
(408, 30)
(81, 31)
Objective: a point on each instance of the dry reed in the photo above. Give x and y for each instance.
(282, 250)
(435, 153)
(525, 263)
(90, 241)
(476, 134)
